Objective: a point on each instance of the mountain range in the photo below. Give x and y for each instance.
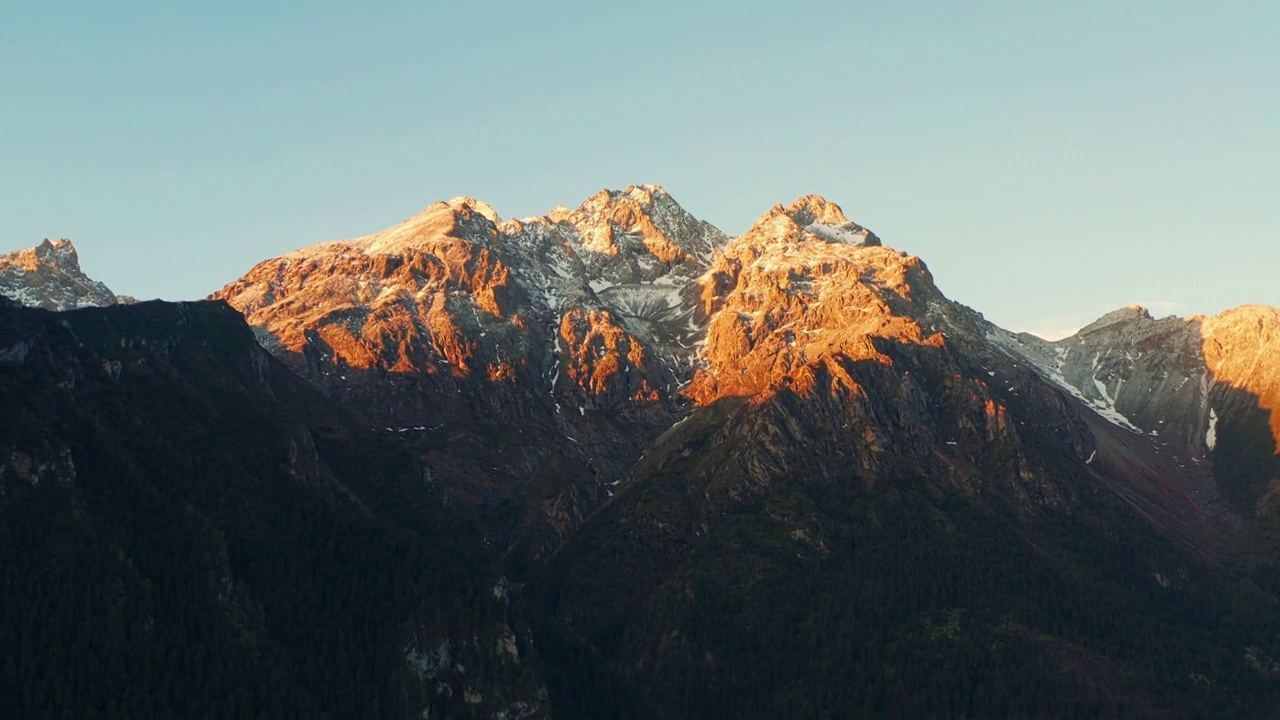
(658, 471)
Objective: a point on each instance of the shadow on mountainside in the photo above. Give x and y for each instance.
(523, 461)
(923, 544)
(193, 530)
(1245, 397)
(535, 470)
(1219, 460)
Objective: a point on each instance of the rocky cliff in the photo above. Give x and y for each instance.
(1200, 391)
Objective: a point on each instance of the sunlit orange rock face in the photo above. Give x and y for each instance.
(803, 287)
(839, 344)
(1242, 349)
(602, 359)
(574, 344)
(628, 214)
(581, 307)
(396, 301)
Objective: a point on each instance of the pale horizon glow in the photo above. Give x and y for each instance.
(1048, 163)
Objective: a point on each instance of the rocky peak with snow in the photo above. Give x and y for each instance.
(1158, 376)
(49, 276)
(562, 325)
(636, 236)
(594, 328)
(803, 286)
(456, 293)
(612, 305)
(809, 217)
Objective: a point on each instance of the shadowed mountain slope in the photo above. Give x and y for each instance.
(191, 530)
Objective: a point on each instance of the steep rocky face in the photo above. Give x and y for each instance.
(1242, 350)
(783, 299)
(433, 298)
(1185, 387)
(834, 340)
(49, 276)
(1144, 374)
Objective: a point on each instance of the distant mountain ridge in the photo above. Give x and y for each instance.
(49, 276)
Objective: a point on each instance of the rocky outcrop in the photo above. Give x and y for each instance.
(1241, 349)
(49, 276)
(784, 300)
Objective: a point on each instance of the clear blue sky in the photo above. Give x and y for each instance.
(1049, 161)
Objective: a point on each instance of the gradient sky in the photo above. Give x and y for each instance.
(1049, 161)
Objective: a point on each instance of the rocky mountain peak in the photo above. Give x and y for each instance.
(815, 208)
(1241, 349)
(58, 252)
(461, 217)
(802, 291)
(811, 218)
(586, 307)
(1261, 319)
(472, 205)
(49, 276)
(641, 215)
(1127, 314)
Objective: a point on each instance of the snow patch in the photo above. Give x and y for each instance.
(844, 234)
(1104, 406)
